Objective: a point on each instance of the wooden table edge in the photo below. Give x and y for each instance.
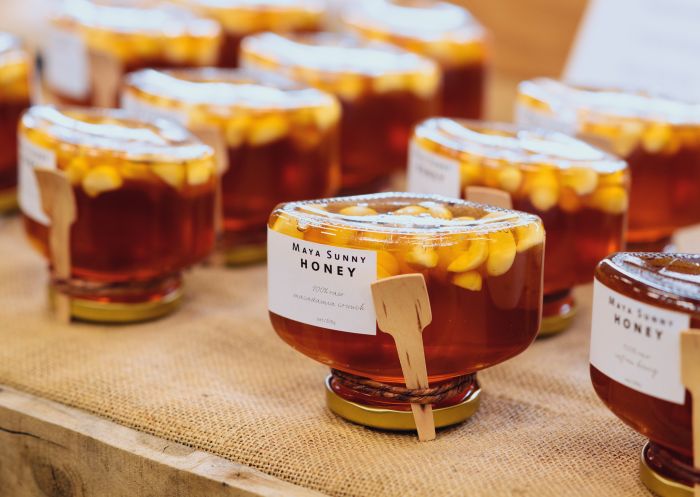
(49, 449)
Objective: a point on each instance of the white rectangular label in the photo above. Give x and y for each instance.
(66, 63)
(637, 344)
(429, 172)
(645, 44)
(148, 110)
(321, 285)
(32, 157)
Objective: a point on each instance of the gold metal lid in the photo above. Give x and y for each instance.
(8, 201)
(659, 484)
(388, 419)
(110, 312)
(551, 325)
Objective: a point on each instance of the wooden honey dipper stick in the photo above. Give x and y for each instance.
(489, 196)
(58, 203)
(403, 310)
(690, 375)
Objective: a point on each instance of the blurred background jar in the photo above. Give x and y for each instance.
(445, 32)
(14, 99)
(91, 44)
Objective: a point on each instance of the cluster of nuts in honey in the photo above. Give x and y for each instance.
(251, 20)
(349, 86)
(449, 52)
(654, 138)
(14, 80)
(101, 174)
(465, 259)
(545, 185)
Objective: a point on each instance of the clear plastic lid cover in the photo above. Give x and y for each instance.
(378, 212)
(264, 5)
(10, 49)
(152, 18)
(426, 20)
(516, 144)
(672, 275)
(569, 101)
(336, 53)
(227, 88)
(117, 133)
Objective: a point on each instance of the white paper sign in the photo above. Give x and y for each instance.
(651, 45)
(429, 172)
(321, 285)
(32, 157)
(66, 63)
(148, 110)
(637, 344)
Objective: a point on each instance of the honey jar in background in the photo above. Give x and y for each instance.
(384, 92)
(658, 137)
(483, 270)
(91, 44)
(278, 140)
(579, 192)
(144, 207)
(14, 99)
(642, 302)
(240, 18)
(443, 31)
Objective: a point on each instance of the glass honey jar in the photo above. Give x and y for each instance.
(641, 305)
(279, 141)
(483, 269)
(240, 18)
(143, 199)
(658, 137)
(445, 32)
(91, 44)
(14, 99)
(579, 192)
(384, 92)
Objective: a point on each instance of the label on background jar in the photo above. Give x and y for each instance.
(146, 109)
(32, 156)
(638, 344)
(321, 285)
(429, 172)
(66, 63)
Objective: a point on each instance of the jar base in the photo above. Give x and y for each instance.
(558, 314)
(659, 484)
(8, 201)
(122, 312)
(394, 420)
(664, 244)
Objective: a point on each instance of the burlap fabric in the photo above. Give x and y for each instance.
(215, 376)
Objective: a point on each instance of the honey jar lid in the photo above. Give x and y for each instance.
(669, 279)
(224, 91)
(114, 132)
(416, 214)
(572, 103)
(520, 146)
(334, 53)
(430, 21)
(154, 19)
(11, 50)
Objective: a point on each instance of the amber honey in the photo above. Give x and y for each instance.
(482, 266)
(279, 140)
(241, 18)
(144, 195)
(654, 283)
(14, 99)
(579, 192)
(384, 92)
(445, 32)
(658, 137)
(93, 43)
